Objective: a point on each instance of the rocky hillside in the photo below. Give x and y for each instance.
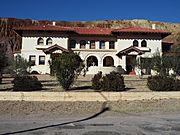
(10, 39)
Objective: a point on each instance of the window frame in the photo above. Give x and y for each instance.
(32, 62)
(82, 44)
(136, 41)
(94, 42)
(102, 44)
(47, 41)
(40, 62)
(72, 45)
(39, 42)
(143, 45)
(111, 46)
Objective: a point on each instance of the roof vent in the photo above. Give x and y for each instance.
(53, 23)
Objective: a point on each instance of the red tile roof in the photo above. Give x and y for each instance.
(93, 31)
(128, 50)
(90, 31)
(54, 48)
(44, 27)
(141, 30)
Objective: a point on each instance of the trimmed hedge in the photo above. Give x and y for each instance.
(163, 83)
(96, 81)
(113, 82)
(110, 82)
(26, 83)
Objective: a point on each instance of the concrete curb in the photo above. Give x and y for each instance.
(86, 96)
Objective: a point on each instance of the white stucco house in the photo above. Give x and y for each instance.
(102, 49)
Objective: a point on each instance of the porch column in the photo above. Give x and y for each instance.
(123, 64)
(77, 46)
(97, 44)
(138, 70)
(106, 45)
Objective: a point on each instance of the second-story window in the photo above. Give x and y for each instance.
(72, 44)
(135, 43)
(40, 41)
(82, 44)
(49, 41)
(111, 44)
(144, 43)
(102, 45)
(92, 44)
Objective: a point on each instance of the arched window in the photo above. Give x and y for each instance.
(72, 44)
(144, 43)
(40, 41)
(135, 43)
(49, 41)
(83, 44)
(92, 61)
(108, 61)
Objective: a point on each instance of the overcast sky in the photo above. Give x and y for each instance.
(83, 10)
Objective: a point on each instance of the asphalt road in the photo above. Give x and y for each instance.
(108, 123)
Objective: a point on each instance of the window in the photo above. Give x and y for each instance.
(72, 44)
(102, 45)
(143, 43)
(49, 41)
(111, 44)
(41, 60)
(83, 44)
(92, 45)
(32, 60)
(40, 41)
(135, 43)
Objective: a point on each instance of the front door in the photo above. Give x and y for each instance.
(130, 63)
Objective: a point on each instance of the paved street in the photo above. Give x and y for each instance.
(108, 123)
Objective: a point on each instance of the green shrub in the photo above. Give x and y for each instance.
(163, 83)
(67, 68)
(113, 82)
(96, 81)
(26, 83)
(110, 82)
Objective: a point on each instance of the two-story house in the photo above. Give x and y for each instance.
(102, 49)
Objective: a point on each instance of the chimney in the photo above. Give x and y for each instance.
(153, 26)
(53, 23)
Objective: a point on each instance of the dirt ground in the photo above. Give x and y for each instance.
(51, 109)
(28, 110)
(133, 83)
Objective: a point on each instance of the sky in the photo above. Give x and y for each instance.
(90, 10)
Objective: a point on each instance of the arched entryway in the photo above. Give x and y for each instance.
(108, 61)
(92, 61)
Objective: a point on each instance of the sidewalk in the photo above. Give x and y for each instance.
(86, 96)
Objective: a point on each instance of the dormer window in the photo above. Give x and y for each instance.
(135, 43)
(49, 41)
(40, 41)
(144, 43)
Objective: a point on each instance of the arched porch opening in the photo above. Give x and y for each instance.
(108, 61)
(92, 61)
